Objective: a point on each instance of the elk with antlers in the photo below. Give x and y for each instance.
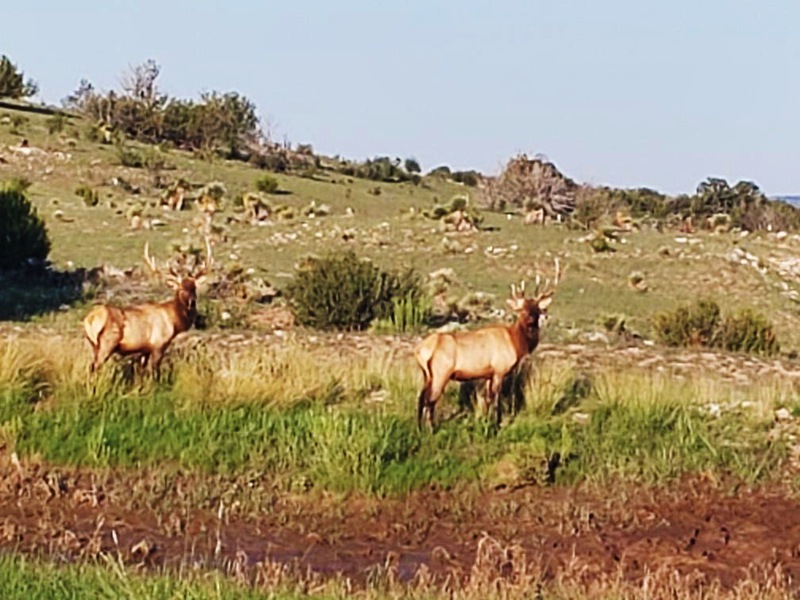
(146, 329)
(488, 353)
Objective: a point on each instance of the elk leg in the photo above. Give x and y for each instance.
(496, 386)
(104, 349)
(155, 360)
(427, 400)
(422, 403)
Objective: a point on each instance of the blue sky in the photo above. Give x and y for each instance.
(621, 92)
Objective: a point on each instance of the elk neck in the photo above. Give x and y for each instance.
(184, 314)
(526, 338)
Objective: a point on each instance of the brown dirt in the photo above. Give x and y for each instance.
(691, 528)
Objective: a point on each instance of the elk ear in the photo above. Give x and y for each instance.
(544, 301)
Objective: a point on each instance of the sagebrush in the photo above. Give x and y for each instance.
(343, 291)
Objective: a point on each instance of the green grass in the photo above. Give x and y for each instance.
(594, 284)
(345, 447)
(25, 579)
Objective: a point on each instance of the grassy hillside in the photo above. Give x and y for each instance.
(596, 285)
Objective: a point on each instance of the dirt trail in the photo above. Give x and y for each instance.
(690, 527)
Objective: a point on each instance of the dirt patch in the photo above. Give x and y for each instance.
(692, 528)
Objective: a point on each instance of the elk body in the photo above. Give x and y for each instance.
(489, 353)
(145, 329)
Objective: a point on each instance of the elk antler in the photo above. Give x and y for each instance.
(207, 262)
(518, 293)
(173, 278)
(545, 288)
(149, 260)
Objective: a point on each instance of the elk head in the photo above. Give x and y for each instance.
(532, 312)
(185, 285)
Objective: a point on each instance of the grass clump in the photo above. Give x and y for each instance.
(24, 579)
(747, 331)
(23, 235)
(267, 184)
(702, 324)
(409, 314)
(343, 291)
(89, 196)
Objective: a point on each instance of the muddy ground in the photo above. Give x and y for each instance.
(693, 527)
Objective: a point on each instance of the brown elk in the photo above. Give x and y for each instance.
(145, 329)
(488, 353)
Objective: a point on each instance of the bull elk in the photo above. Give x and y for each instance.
(489, 353)
(145, 329)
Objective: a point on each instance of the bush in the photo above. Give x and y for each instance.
(23, 234)
(409, 314)
(130, 157)
(56, 123)
(277, 163)
(18, 184)
(688, 325)
(90, 197)
(267, 184)
(18, 123)
(468, 178)
(747, 331)
(342, 291)
(701, 325)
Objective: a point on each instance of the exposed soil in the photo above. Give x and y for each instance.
(692, 528)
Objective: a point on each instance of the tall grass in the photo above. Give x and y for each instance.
(498, 572)
(23, 579)
(346, 423)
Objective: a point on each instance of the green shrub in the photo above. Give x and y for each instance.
(90, 197)
(19, 184)
(277, 163)
(693, 325)
(56, 123)
(18, 123)
(747, 331)
(267, 184)
(409, 314)
(701, 324)
(23, 234)
(468, 178)
(342, 291)
(92, 133)
(130, 157)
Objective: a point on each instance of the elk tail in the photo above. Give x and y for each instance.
(94, 323)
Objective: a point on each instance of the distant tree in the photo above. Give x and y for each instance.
(230, 122)
(412, 165)
(715, 195)
(224, 123)
(81, 97)
(12, 81)
(442, 171)
(530, 183)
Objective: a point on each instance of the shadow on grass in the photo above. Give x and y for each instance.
(36, 290)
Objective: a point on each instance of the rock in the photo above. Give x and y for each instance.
(596, 336)
(783, 414)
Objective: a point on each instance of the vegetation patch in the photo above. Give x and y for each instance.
(23, 235)
(702, 324)
(343, 291)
